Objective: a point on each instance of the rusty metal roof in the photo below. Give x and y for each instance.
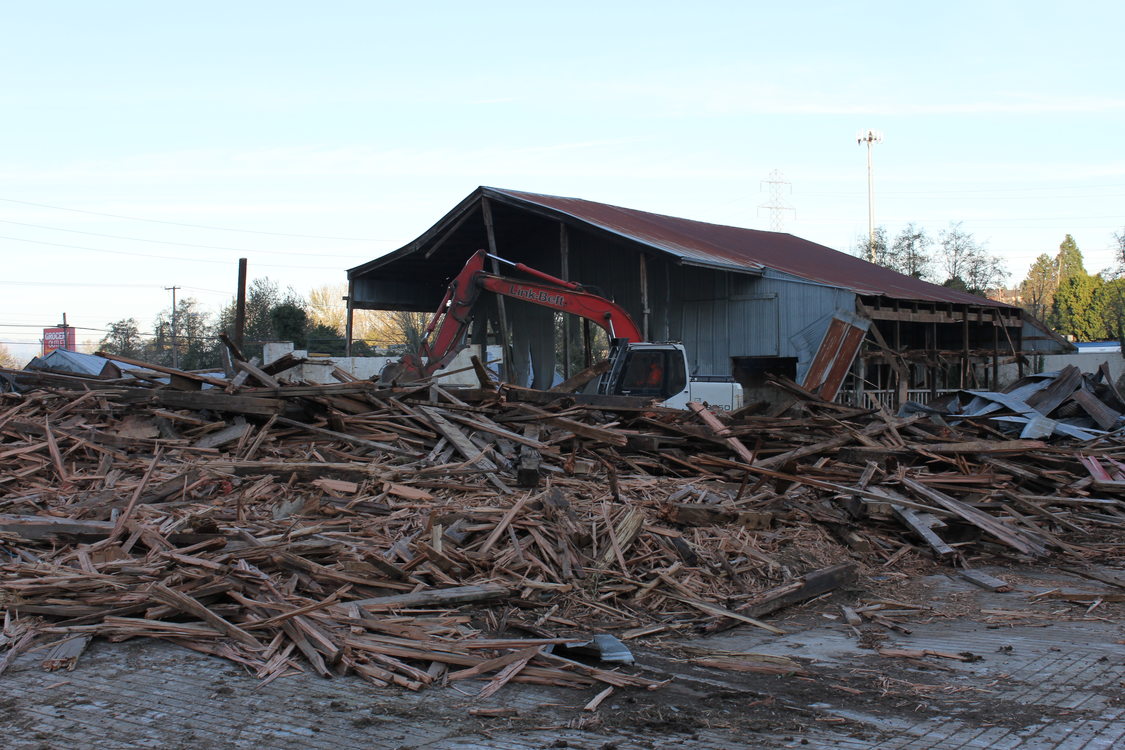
(746, 250)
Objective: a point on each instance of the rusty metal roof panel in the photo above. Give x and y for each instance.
(748, 250)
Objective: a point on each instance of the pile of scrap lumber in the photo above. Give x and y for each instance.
(415, 534)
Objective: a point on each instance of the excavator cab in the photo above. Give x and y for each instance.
(652, 371)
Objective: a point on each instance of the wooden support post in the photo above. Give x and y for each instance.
(995, 384)
(934, 359)
(568, 320)
(348, 325)
(966, 361)
(643, 269)
(240, 307)
(505, 338)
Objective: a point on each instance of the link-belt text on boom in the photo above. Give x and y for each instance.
(537, 295)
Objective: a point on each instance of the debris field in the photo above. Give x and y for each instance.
(418, 535)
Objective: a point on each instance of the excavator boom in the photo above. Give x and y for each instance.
(446, 330)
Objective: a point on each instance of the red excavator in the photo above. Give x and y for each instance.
(636, 368)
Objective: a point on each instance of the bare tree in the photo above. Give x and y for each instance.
(7, 359)
(397, 330)
(327, 306)
(910, 253)
(967, 265)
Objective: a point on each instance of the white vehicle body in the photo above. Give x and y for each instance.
(661, 371)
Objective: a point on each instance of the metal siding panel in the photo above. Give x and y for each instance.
(825, 355)
(753, 326)
(845, 355)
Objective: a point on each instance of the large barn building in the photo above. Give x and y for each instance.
(745, 303)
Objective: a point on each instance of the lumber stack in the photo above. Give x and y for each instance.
(415, 534)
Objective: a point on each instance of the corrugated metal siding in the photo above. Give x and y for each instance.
(719, 315)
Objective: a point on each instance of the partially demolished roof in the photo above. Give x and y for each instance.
(698, 243)
(1067, 402)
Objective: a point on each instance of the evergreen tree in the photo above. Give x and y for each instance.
(1038, 289)
(262, 297)
(196, 342)
(123, 338)
(1069, 260)
(1079, 308)
(1113, 309)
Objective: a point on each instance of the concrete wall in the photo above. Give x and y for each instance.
(1086, 362)
(319, 369)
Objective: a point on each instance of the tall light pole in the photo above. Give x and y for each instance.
(869, 137)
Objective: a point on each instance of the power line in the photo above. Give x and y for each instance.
(153, 285)
(27, 325)
(178, 244)
(192, 226)
(148, 255)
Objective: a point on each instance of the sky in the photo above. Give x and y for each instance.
(149, 145)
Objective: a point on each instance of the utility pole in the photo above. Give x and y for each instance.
(869, 137)
(175, 350)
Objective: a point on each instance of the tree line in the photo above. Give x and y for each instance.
(316, 323)
(1057, 290)
(953, 258)
(1084, 306)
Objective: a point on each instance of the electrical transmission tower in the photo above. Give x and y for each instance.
(777, 207)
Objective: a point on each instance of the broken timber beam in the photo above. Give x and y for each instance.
(807, 587)
(435, 597)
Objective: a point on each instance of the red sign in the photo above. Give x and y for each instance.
(58, 338)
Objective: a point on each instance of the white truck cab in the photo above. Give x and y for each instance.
(661, 371)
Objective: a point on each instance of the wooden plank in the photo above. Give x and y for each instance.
(985, 581)
(1008, 535)
(979, 446)
(215, 400)
(721, 431)
(810, 585)
(344, 437)
(528, 473)
(1096, 575)
(458, 439)
(582, 377)
(503, 524)
(452, 596)
(257, 373)
(721, 612)
(188, 605)
(922, 524)
(230, 434)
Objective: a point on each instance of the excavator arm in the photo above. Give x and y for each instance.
(445, 333)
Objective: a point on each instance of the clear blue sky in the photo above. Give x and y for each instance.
(313, 137)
